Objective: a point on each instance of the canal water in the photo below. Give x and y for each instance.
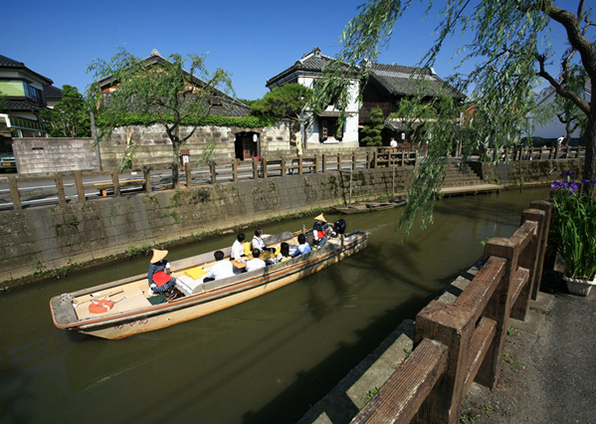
(264, 361)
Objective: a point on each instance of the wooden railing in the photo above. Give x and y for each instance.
(83, 186)
(534, 153)
(459, 343)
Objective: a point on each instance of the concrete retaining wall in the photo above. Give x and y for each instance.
(42, 239)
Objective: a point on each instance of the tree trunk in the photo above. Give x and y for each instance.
(175, 164)
(590, 160)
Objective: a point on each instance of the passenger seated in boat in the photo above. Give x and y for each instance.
(257, 240)
(284, 253)
(159, 277)
(238, 246)
(220, 269)
(303, 247)
(255, 262)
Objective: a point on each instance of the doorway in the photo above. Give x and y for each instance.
(246, 145)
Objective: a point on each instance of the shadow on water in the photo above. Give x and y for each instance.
(312, 385)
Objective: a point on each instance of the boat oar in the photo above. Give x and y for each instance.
(96, 296)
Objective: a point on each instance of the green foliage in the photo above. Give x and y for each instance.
(215, 120)
(70, 116)
(373, 128)
(160, 90)
(287, 100)
(573, 230)
(370, 395)
(510, 53)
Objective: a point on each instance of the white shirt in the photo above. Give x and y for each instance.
(237, 250)
(256, 263)
(220, 269)
(258, 243)
(393, 143)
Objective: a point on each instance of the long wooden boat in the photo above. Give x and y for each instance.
(135, 310)
(370, 206)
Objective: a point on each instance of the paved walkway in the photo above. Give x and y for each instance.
(549, 367)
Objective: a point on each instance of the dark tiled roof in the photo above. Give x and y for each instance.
(20, 105)
(229, 107)
(403, 80)
(6, 62)
(394, 79)
(313, 62)
(52, 92)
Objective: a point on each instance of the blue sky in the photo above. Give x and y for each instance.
(253, 40)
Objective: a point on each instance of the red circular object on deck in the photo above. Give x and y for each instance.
(100, 306)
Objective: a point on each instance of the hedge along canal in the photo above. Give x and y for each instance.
(264, 361)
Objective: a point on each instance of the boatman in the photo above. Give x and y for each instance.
(158, 276)
(320, 231)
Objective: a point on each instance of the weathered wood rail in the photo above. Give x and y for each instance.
(90, 185)
(459, 343)
(534, 153)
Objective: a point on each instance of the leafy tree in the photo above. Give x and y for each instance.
(373, 128)
(70, 116)
(172, 96)
(568, 111)
(286, 101)
(511, 55)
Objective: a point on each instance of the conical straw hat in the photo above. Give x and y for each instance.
(158, 255)
(320, 218)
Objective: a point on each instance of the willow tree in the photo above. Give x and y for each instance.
(157, 91)
(511, 54)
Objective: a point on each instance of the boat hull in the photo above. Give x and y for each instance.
(236, 290)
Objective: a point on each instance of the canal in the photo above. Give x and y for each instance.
(264, 361)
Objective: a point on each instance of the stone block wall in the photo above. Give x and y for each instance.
(50, 155)
(48, 238)
(526, 172)
(151, 145)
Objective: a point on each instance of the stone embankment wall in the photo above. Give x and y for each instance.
(39, 240)
(527, 172)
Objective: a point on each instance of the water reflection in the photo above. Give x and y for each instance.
(263, 361)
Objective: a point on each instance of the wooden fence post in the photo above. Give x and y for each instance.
(60, 188)
(234, 170)
(116, 182)
(529, 259)
(264, 167)
(354, 161)
(255, 168)
(317, 163)
(147, 177)
(498, 309)
(79, 184)
(282, 164)
(452, 327)
(547, 208)
(300, 171)
(339, 161)
(324, 162)
(14, 193)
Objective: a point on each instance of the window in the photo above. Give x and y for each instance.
(12, 88)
